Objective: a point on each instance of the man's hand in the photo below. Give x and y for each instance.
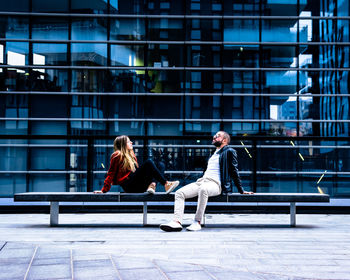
(245, 192)
(98, 192)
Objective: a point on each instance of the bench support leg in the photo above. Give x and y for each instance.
(292, 214)
(145, 213)
(54, 211)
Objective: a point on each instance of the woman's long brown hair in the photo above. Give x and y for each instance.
(127, 156)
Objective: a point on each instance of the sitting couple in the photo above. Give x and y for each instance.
(221, 169)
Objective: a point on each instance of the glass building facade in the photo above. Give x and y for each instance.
(273, 73)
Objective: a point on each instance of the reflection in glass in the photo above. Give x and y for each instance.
(50, 28)
(279, 56)
(89, 7)
(89, 29)
(127, 29)
(241, 56)
(14, 27)
(127, 55)
(165, 29)
(49, 80)
(52, 6)
(203, 81)
(203, 55)
(89, 80)
(165, 81)
(161, 55)
(89, 54)
(279, 30)
(241, 81)
(204, 30)
(49, 54)
(241, 30)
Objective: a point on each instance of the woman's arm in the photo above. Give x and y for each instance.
(113, 169)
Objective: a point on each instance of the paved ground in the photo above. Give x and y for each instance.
(116, 246)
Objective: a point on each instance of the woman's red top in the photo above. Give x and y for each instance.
(115, 175)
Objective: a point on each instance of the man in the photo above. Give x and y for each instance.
(217, 179)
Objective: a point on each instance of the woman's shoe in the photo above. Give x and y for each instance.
(151, 188)
(170, 186)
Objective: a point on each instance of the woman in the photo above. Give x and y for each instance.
(125, 171)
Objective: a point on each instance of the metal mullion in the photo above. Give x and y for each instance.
(131, 42)
(42, 14)
(167, 94)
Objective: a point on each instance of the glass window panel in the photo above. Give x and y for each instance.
(47, 158)
(127, 127)
(166, 7)
(241, 81)
(202, 107)
(17, 53)
(241, 30)
(163, 106)
(14, 27)
(280, 30)
(55, 106)
(39, 182)
(159, 81)
(90, 80)
(52, 6)
(241, 107)
(15, 6)
(50, 28)
(12, 183)
(89, 54)
(127, 55)
(127, 29)
(165, 55)
(280, 8)
(203, 81)
(49, 80)
(165, 128)
(238, 7)
(279, 82)
(129, 7)
(241, 56)
(204, 56)
(203, 30)
(200, 128)
(127, 106)
(14, 79)
(49, 54)
(89, 7)
(89, 29)
(127, 81)
(280, 56)
(48, 127)
(166, 29)
(213, 7)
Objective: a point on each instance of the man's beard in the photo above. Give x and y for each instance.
(217, 143)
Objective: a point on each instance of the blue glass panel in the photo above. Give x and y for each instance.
(89, 29)
(89, 54)
(14, 27)
(50, 28)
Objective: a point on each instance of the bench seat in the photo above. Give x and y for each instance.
(55, 197)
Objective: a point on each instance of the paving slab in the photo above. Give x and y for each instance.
(117, 246)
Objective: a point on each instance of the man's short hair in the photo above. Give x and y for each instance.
(226, 136)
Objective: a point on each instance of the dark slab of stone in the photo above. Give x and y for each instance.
(140, 197)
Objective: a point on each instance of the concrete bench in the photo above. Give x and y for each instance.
(55, 197)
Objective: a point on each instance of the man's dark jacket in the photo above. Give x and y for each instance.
(229, 170)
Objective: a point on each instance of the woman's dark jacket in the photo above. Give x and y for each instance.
(229, 170)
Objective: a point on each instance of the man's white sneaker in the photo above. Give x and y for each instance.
(194, 227)
(171, 226)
